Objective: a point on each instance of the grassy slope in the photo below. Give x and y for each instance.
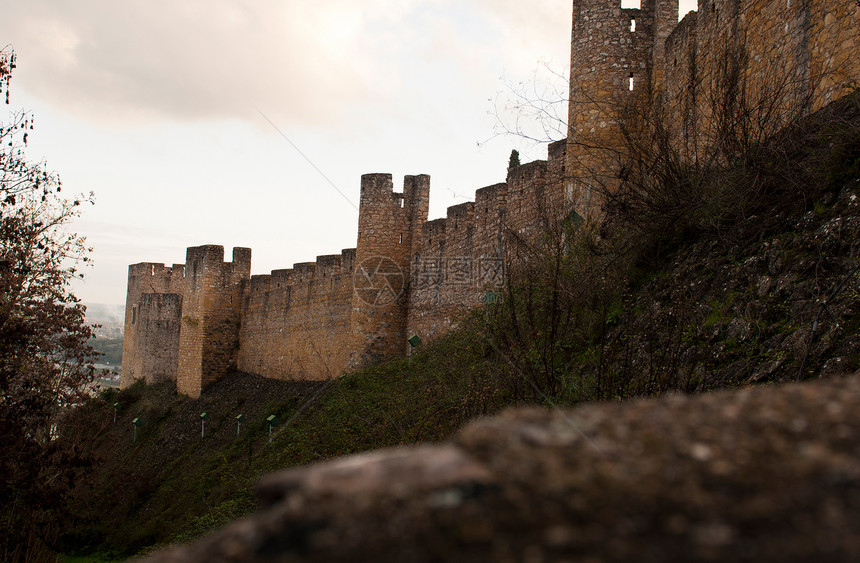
(172, 484)
(729, 308)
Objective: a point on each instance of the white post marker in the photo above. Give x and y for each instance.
(239, 420)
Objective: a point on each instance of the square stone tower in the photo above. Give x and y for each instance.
(211, 309)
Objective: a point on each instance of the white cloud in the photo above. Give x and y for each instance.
(533, 28)
(360, 86)
(194, 59)
(314, 62)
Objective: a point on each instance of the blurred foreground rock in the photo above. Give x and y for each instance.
(765, 474)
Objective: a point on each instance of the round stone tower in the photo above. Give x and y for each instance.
(389, 228)
(616, 60)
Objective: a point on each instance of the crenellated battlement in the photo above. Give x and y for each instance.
(328, 265)
(303, 271)
(294, 320)
(180, 320)
(490, 198)
(317, 318)
(157, 277)
(524, 176)
(195, 321)
(460, 216)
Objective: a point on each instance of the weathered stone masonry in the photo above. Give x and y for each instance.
(182, 323)
(140, 337)
(406, 276)
(193, 322)
(628, 57)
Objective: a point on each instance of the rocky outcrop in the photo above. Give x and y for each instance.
(766, 474)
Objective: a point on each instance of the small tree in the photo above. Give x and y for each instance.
(45, 359)
(513, 161)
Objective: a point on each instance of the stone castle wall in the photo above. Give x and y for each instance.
(809, 47)
(615, 53)
(196, 321)
(803, 53)
(462, 259)
(388, 225)
(211, 307)
(297, 322)
(157, 336)
(144, 279)
(182, 323)
(798, 55)
(193, 322)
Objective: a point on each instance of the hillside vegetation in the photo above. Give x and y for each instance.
(767, 291)
(172, 483)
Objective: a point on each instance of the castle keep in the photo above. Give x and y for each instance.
(194, 322)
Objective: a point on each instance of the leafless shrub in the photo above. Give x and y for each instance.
(741, 149)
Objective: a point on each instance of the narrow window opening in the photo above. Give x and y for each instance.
(152, 273)
(133, 314)
(632, 24)
(402, 202)
(630, 84)
(401, 238)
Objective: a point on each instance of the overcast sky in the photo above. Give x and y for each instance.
(174, 113)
